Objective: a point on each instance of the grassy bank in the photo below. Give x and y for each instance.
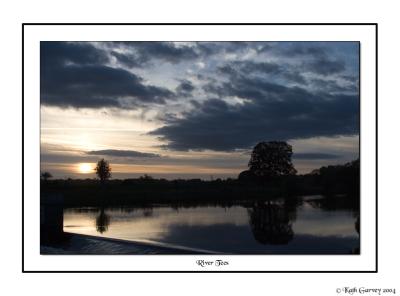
(90, 192)
(136, 191)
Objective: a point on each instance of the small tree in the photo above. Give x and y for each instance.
(146, 177)
(46, 175)
(103, 170)
(272, 159)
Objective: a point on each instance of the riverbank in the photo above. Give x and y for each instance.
(146, 190)
(76, 193)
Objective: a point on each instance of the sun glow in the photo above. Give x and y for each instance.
(85, 168)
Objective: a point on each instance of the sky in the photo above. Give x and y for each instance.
(195, 109)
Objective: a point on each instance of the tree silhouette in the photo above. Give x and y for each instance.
(46, 175)
(102, 221)
(103, 170)
(272, 159)
(337, 179)
(270, 224)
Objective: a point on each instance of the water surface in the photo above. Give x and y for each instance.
(279, 227)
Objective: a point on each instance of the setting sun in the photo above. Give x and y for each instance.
(85, 168)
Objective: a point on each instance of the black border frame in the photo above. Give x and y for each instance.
(216, 24)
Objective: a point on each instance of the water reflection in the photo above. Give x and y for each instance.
(102, 221)
(292, 226)
(344, 202)
(270, 224)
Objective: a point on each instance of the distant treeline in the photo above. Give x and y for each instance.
(329, 181)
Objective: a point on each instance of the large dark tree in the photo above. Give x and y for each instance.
(272, 159)
(103, 170)
(270, 224)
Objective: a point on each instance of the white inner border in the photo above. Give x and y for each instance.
(36, 262)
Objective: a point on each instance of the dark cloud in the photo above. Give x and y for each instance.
(294, 76)
(185, 88)
(332, 86)
(253, 88)
(121, 153)
(72, 76)
(141, 53)
(313, 156)
(56, 54)
(96, 87)
(274, 112)
(205, 49)
(318, 59)
(166, 51)
(129, 60)
(251, 67)
(237, 68)
(325, 66)
(301, 49)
